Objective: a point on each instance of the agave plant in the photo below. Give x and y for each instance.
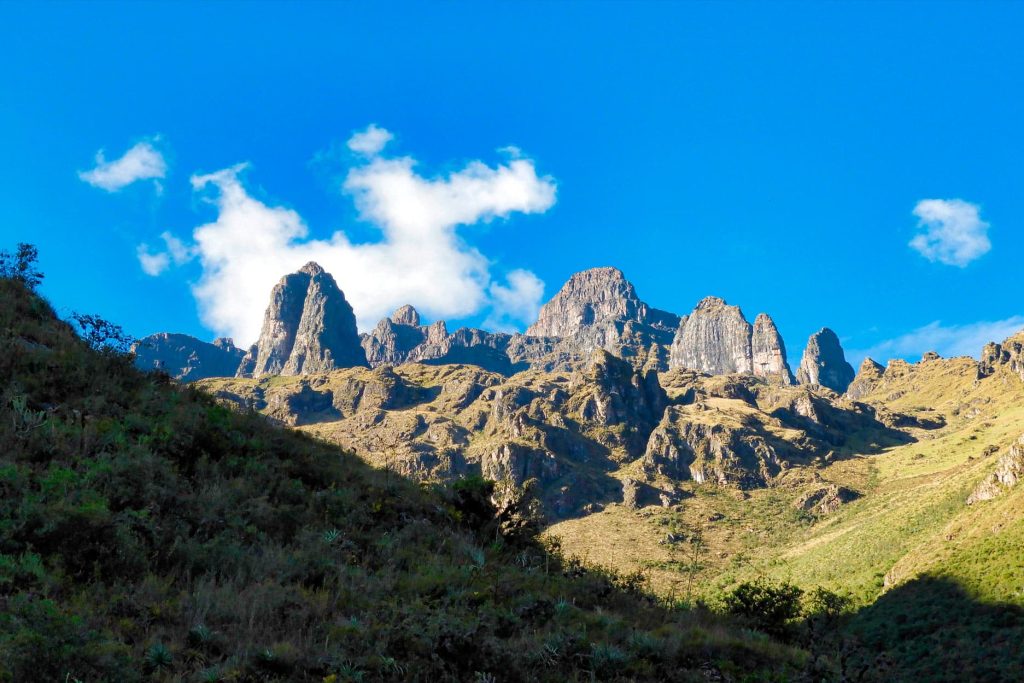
(158, 657)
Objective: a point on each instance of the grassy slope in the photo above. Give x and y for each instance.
(912, 519)
(148, 533)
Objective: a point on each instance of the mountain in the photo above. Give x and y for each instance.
(152, 534)
(310, 328)
(186, 358)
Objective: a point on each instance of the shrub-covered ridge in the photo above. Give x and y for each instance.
(147, 533)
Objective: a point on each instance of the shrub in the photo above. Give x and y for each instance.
(768, 606)
(21, 265)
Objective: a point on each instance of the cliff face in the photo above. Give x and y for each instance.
(717, 339)
(824, 362)
(308, 327)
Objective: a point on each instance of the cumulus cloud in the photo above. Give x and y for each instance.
(951, 231)
(371, 141)
(176, 252)
(420, 258)
(141, 162)
(518, 300)
(946, 340)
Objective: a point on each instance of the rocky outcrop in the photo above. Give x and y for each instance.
(717, 339)
(824, 362)
(1009, 354)
(688, 445)
(186, 358)
(769, 351)
(868, 377)
(825, 500)
(308, 327)
(1008, 473)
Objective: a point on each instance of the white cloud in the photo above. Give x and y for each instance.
(154, 264)
(952, 231)
(371, 141)
(518, 301)
(946, 340)
(420, 259)
(141, 162)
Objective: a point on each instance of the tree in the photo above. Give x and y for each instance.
(102, 335)
(22, 265)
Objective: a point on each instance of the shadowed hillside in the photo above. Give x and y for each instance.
(147, 533)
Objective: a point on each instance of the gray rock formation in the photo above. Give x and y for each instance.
(867, 379)
(717, 339)
(186, 358)
(1008, 473)
(308, 327)
(769, 351)
(824, 362)
(599, 309)
(685, 445)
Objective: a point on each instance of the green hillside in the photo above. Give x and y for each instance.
(147, 533)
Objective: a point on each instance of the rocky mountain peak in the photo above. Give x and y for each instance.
(406, 315)
(715, 338)
(710, 303)
(769, 351)
(590, 297)
(308, 327)
(824, 362)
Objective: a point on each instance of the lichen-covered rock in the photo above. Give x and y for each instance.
(824, 362)
(186, 358)
(1008, 473)
(715, 338)
(825, 500)
(866, 380)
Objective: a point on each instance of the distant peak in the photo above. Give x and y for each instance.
(312, 269)
(406, 315)
(601, 273)
(709, 302)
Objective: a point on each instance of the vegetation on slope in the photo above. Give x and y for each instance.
(147, 533)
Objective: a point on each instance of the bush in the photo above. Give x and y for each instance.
(771, 608)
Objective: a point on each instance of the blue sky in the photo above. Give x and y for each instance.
(773, 154)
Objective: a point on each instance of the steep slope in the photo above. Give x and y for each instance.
(150, 534)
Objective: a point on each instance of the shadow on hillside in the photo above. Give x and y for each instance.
(931, 629)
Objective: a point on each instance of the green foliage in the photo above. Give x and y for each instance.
(22, 265)
(148, 533)
(102, 335)
(769, 607)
